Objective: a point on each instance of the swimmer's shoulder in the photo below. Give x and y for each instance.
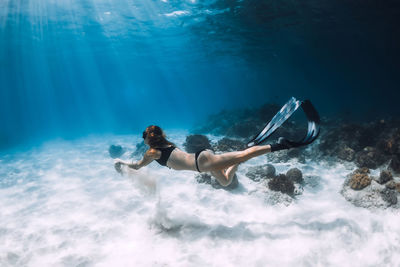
(153, 153)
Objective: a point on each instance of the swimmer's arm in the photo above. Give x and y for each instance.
(141, 163)
(148, 157)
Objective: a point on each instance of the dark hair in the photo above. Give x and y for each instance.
(156, 137)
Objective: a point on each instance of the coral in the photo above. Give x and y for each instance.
(345, 153)
(393, 185)
(295, 175)
(363, 170)
(243, 129)
(204, 178)
(391, 143)
(115, 151)
(227, 144)
(389, 196)
(359, 181)
(384, 177)
(395, 164)
(196, 143)
(369, 157)
(281, 183)
(258, 173)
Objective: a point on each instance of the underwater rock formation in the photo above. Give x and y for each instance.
(393, 185)
(384, 177)
(369, 157)
(391, 143)
(368, 144)
(395, 164)
(243, 129)
(196, 143)
(287, 155)
(389, 196)
(295, 175)
(227, 145)
(116, 151)
(259, 173)
(346, 153)
(359, 181)
(244, 123)
(205, 178)
(282, 184)
(362, 191)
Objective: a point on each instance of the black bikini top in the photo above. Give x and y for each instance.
(165, 153)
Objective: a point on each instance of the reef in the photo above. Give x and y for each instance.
(289, 183)
(259, 173)
(295, 175)
(196, 143)
(362, 190)
(116, 151)
(282, 184)
(370, 145)
(228, 144)
(205, 178)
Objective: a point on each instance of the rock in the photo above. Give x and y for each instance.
(363, 170)
(258, 173)
(370, 197)
(346, 153)
(384, 177)
(295, 175)
(389, 196)
(205, 178)
(394, 164)
(393, 185)
(227, 145)
(116, 151)
(369, 157)
(391, 143)
(244, 129)
(196, 143)
(281, 183)
(359, 181)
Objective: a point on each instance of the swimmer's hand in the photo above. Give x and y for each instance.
(119, 162)
(117, 166)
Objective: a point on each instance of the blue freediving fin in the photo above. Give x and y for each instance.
(283, 115)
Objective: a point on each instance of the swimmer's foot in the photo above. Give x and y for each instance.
(282, 144)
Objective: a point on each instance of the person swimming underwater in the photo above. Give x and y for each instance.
(221, 166)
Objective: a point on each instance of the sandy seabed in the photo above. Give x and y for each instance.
(63, 204)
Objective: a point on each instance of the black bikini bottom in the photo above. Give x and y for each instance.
(196, 156)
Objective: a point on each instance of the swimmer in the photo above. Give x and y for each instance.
(221, 166)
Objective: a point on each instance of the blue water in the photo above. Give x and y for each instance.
(69, 68)
(77, 76)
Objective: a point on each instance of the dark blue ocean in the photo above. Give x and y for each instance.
(81, 79)
(69, 68)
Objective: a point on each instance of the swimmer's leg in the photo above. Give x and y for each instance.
(210, 162)
(223, 177)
